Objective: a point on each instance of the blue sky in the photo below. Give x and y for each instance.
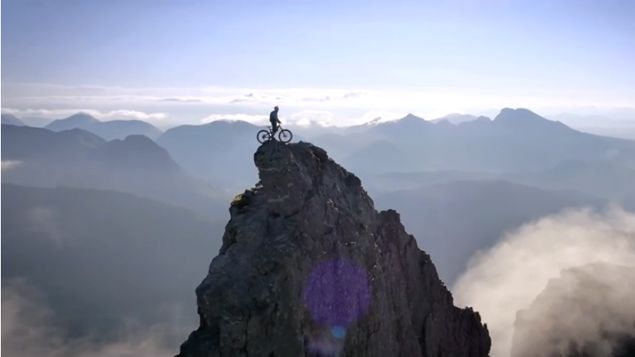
(443, 55)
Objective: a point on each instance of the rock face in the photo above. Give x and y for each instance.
(308, 267)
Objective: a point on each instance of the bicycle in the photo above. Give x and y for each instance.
(265, 135)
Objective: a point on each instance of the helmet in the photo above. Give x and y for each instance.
(275, 108)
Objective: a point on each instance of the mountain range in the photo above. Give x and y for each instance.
(77, 158)
(215, 151)
(11, 119)
(109, 130)
(516, 140)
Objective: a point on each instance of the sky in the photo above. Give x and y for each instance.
(330, 62)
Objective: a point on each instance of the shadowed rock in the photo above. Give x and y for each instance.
(308, 267)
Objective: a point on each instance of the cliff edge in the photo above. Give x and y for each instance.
(308, 267)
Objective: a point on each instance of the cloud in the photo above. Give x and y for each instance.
(304, 118)
(309, 117)
(29, 330)
(313, 99)
(351, 95)
(586, 311)
(250, 118)
(130, 114)
(45, 221)
(103, 115)
(10, 164)
(181, 100)
(507, 278)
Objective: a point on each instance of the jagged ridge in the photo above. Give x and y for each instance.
(309, 267)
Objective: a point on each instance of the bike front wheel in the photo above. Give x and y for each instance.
(285, 136)
(263, 136)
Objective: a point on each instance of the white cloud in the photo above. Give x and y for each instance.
(508, 277)
(131, 114)
(586, 311)
(10, 164)
(379, 116)
(102, 115)
(309, 117)
(254, 119)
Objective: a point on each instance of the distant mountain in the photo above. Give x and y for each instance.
(516, 140)
(77, 158)
(113, 129)
(517, 145)
(103, 259)
(129, 153)
(75, 121)
(37, 144)
(402, 128)
(612, 180)
(398, 181)
(218, 151)
(455, 220)
(457, 118)
(11, 119)
(389, 156)
(619, 125)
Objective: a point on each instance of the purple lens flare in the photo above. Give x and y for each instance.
(336, 293)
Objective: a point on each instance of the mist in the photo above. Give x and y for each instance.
(507, 278)
(30, 328)
(586, 311)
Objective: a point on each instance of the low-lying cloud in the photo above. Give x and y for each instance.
(587, 311)
(31, 329)
(508, 277)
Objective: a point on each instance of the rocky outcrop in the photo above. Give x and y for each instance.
(308, 267)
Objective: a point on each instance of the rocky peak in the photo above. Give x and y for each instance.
(308, 267)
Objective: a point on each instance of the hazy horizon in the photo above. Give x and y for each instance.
(198, 61)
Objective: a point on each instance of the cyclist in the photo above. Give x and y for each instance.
(273, 118)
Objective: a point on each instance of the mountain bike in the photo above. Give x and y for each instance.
(283, 135)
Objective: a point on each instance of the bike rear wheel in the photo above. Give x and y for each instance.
(285, 136)
(263, 136)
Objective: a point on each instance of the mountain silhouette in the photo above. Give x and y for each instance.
(516, 140)
(214, 151)
(11, 119)
(136, 151)
(78, 158)
(109, 130)
(37, 144)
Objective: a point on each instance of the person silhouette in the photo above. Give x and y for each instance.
(273, 118)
